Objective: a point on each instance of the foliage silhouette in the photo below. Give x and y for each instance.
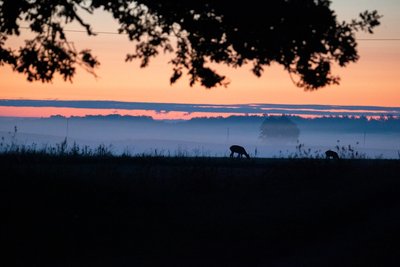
(304, 37)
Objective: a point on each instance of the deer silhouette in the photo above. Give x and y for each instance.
(239, 150)
(331, 154)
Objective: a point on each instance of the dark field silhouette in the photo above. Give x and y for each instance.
(165, 211)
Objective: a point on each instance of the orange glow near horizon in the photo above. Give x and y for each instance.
(373, 81)
(46, 112)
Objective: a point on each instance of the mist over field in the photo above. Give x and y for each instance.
(373, 138)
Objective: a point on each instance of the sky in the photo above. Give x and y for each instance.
(372, 81)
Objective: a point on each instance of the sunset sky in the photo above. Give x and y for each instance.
(374, 80)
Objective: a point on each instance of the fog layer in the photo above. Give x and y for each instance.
(208, 136)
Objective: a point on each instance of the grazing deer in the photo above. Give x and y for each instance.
(331, 154)
(239, 150)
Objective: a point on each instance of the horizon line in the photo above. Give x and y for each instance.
(5, 101)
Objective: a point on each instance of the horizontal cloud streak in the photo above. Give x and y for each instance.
(245, 109)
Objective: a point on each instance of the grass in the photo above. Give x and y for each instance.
(64, 149)
(95, 209)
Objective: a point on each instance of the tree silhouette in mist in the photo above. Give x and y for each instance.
(304, 36)
(279, 129)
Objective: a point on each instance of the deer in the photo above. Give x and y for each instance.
(331, 154)
(239, 150)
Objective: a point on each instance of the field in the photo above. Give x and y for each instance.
(188, 211)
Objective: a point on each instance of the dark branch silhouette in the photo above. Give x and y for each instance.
(304, 37)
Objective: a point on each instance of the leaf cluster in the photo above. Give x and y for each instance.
(304, 36)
